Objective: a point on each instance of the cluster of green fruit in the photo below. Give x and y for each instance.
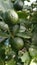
(16, 36)
(11, 16)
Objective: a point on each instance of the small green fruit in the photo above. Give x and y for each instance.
(12, 16)
(18, 43)
(18, 5)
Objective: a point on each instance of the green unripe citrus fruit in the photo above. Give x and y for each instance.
(18, 5)
(12, 16)
(18, 43)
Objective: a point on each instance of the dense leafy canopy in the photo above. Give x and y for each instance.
(18, 32)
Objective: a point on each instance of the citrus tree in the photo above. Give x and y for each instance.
(18, 32)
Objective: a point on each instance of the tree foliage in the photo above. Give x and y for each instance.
(18, 32)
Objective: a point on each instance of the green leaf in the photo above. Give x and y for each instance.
(22, 28)
(33, 51)
(25, 58)
(5, 4)
(3, 26)
(33, 61)
(22, 14)
(23, 35)
(3, 36)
